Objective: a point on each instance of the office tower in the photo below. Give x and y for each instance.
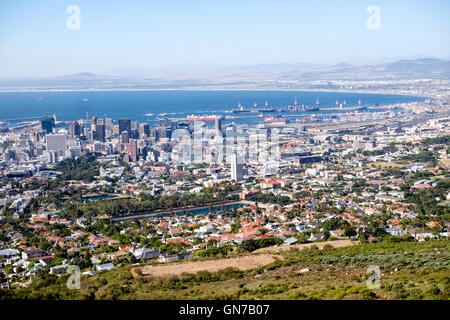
(124, 125)
(100, 132)
(164, 132)
(38, 136)
(165, 123)
(237, 169)
(53, 156)
(154, 133)
(134, 152)
(75, 129)
(48, 124)
(144, 129)
(87, 133)
(115, 130)
(124, 137)
(218, 123)
(57, 143)
(93, 129)
(109, 125)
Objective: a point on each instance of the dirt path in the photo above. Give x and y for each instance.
(242, 263)
(320, 245)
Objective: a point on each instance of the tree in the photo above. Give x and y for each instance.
(249, 245)
(350, 232)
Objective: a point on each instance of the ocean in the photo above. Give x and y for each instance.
(71, 105)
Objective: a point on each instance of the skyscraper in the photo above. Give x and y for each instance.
(144, 129)
(237, 169)
(48, 124)
(124, 137)
(218, 123)
(134, 152)
(124, 125)
(75, 129)
(100, 132)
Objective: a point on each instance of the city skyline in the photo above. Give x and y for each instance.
(230, 151)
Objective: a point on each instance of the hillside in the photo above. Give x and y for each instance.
(409, 270)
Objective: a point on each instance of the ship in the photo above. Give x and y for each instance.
(149, 114)
(241, 109)
(297, 108)
(347, 109)
(343, 108)
(276, 121)
(85, 99)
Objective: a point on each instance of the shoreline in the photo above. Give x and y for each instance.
(216, 89)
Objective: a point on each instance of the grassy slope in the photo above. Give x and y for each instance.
(422, 273)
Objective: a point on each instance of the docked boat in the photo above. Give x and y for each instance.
(241, 109)
(276, 121)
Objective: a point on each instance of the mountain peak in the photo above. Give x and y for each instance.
(85, 74)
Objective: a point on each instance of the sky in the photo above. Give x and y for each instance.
(35, 40)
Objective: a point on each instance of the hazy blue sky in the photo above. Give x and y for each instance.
(117, 34)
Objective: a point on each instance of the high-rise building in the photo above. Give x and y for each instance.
(109, 123)
(154, 133)
(48, 124)
(237, 169)
(75, 129)
(53, 156)
(165, 122)
(134, 152)
(218, 123)
(164, 132)
(57, 143)
(100, 132)
(124, 125)
(124, 137)
(144, 129)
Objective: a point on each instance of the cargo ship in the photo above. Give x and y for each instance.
(276, 121)
(241, 109)
(297, 108)
(342, 107)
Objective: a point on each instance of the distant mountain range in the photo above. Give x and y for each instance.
(429, 68)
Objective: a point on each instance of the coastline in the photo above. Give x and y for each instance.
(222, 89)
